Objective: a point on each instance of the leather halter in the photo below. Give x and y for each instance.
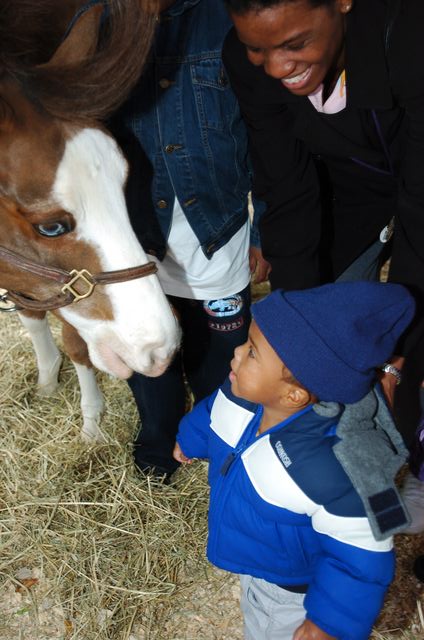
(76, 285)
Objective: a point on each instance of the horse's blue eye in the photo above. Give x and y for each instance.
(51, 230)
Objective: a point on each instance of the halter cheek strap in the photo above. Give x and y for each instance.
(76, 284)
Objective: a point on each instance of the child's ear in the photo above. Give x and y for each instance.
(298, 397)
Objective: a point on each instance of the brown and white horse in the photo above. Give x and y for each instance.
(66, 243)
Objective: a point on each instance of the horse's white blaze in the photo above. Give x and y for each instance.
(144, 333)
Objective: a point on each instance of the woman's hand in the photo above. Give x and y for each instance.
(259, 267)
(389, 382)
(179, 455)
(309, 631)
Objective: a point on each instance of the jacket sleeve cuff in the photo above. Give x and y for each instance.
(193, 431)
(344, 604)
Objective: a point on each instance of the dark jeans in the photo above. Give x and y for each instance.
(211, 331)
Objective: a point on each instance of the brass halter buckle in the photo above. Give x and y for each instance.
(83, 277)
(6, 305)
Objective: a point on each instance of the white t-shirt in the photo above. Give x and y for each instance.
(185, 271)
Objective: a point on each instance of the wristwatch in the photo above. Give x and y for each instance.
(390, 368)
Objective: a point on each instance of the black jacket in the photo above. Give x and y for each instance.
(332, 182)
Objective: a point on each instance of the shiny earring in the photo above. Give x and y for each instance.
(347, 8)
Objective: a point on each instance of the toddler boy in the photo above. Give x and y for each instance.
(301, 504)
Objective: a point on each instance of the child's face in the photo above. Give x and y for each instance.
(257, 372)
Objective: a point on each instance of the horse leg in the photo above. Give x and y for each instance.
(92, 404)
(46, 352)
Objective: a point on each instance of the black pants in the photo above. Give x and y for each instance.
(211, 331)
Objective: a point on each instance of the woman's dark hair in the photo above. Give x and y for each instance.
(243, 6)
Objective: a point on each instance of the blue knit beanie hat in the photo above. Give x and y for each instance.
(333, 337)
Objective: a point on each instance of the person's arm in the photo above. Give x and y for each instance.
(284, 174)
(192, 437)
(353, 570)
(389, 382)
(351, 579)
(259, 267)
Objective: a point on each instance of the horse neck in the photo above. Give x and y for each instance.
(30, 32)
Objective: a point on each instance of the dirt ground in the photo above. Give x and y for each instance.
(209, 610)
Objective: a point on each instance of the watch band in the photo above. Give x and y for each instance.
(394, 371)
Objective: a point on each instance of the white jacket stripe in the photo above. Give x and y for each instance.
(228, 419)
(274, 485)
(354, 531)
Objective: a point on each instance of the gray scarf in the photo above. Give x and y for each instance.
(371, 451)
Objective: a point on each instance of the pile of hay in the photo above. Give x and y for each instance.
(89, 548)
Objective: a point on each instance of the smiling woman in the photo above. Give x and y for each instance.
(294, 43)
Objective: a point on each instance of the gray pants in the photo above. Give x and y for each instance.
(269, 612)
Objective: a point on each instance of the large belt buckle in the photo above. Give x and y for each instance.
(81, 277)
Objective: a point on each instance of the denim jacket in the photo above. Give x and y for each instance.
(182, 133)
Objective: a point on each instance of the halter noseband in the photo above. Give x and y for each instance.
(76, 285)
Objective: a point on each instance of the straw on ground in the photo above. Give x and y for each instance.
(91, 550)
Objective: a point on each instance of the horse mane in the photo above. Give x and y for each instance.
(82, 92)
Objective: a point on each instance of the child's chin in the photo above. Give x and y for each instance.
(234, 390)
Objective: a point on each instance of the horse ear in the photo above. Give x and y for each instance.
(81, 41)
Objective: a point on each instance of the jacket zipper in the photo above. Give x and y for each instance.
(224, 480)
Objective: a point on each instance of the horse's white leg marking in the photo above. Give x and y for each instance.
(47, 354)
(92, 404)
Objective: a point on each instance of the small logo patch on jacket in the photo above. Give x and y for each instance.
(281, 453)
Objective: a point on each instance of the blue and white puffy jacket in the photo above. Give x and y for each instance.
(283, 509)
